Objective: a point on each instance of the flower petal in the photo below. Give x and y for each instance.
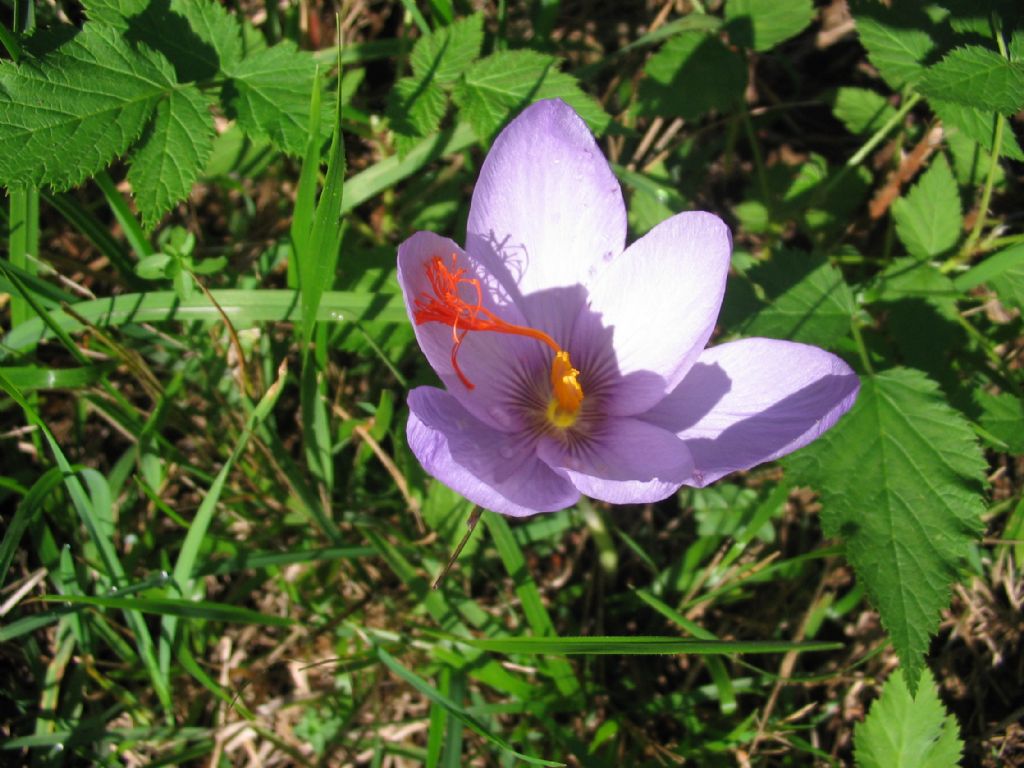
(631, 462)
(660, 299)
(496, 364)
(499, 472)
(754, 400)
(546, 206)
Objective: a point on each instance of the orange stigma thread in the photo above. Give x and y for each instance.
(447, 306)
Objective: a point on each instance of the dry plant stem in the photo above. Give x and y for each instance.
(247, 385)
(474, 518)
(135, 362)
(645, 142)
(908, 168)
(388, 464)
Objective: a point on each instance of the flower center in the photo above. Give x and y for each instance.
(447, 306)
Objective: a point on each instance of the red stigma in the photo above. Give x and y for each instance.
(447, 306)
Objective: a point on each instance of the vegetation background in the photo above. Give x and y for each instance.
(217, 548)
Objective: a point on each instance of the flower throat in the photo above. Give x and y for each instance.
(448, 307)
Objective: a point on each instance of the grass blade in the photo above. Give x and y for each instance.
(454, 709)
(639, 646)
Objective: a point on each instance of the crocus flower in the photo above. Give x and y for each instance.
(574, 365)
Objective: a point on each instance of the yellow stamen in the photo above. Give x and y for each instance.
(567, 394)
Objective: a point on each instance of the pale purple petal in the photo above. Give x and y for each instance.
(546, 207)
(498, 471)
(754, 400)
(494, 363)
(631, 462)
(660, 300)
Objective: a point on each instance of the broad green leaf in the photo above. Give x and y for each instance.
(269, 94)
(691, 75)
(172, 151)
(909, 278)
(446, 53)
(920, 304)
(415, 107)
(976, 77)
(900, 480)
(861, 110)
(992, 268)
(199, 37)
(808, 300)
(907, 731)
(416, 104)
(1009, 284)
(971, 161)
(977, 125)
(503, 83)
(928, 219)
(896, 37)
(762, 24)
(65, 116)
(1002, 416)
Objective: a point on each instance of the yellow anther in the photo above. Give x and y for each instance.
(567, 394)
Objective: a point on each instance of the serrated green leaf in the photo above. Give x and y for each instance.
(808, 300)
(171, 153)
(65, 116)
(861, 110)
(416, 104)
(503, 83)
(1009, 286)
(900, 481)
(928, 219)
(977, 125)
(762, 24)
(1002, 416)
(905, 731)
(691, 75)
(971, 161)
(992, 267)
(896, 37)
(444, 55)
(199, 37)
(416, 107)
(909, 278)
(268, 92)
(976, 77)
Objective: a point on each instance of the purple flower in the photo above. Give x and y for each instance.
(573, 364)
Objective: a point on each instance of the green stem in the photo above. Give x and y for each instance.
(23, 243)
(876, 138)
(862, 348)
(965, 253)
(755, 149)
